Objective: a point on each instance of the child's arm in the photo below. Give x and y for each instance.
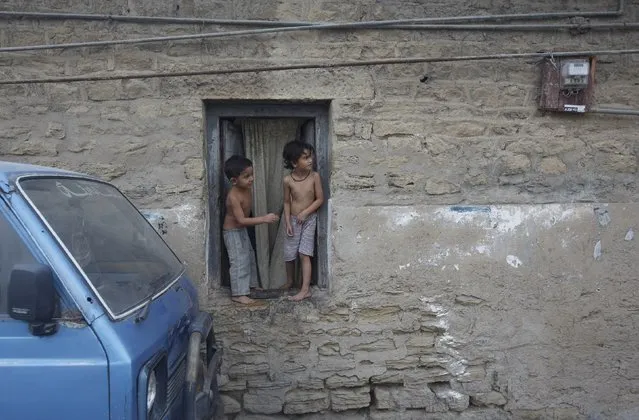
(319, 198)
(238, 214)
(287, 208)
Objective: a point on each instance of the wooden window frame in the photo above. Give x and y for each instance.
(215, 112)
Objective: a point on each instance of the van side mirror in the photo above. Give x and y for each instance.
(32, 297)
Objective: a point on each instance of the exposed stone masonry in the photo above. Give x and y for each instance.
(395, 358)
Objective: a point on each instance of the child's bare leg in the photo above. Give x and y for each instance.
(305, 291)
(290, 274)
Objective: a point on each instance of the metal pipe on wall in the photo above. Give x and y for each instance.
(517, 27)
(323, 65)
(330, 26)
(270, 23)
(249, 22)
(616, 111)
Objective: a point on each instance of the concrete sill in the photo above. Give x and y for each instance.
(220, 300)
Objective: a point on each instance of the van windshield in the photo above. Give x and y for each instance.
(124, 259)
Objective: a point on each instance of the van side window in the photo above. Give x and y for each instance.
(12, 251)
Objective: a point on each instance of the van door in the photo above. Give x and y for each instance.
(59, 376)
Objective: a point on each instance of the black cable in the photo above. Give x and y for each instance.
(305, 66)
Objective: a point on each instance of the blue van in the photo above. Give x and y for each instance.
(98, 319)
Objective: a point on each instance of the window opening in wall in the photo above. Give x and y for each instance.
(262, 141)
(259, 132)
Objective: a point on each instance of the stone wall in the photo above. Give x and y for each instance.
(467, 312)
(465, 330)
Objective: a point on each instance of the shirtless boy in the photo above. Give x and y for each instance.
(243, 270)
(303, 195)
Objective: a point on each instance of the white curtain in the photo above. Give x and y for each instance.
(264, 140)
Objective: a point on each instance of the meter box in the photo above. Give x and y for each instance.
(567, 84)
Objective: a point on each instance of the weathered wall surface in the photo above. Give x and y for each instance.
(464, 309)
(550, 337)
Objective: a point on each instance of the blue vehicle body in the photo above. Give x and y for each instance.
(92, 364)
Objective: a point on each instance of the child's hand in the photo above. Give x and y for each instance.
(301, 218)
(271, 218)
(289, 229)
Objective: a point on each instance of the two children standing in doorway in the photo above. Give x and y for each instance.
(303, 196)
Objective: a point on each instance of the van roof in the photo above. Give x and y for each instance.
(9, 171)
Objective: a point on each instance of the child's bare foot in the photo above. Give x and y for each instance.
(286, 286)
(303, 294)
(245, 300)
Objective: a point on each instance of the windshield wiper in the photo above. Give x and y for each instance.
(144, 311)
(155, 286)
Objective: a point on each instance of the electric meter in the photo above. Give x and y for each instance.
(574, 74)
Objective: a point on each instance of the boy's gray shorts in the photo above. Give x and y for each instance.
(243, 270)
(303, 239)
